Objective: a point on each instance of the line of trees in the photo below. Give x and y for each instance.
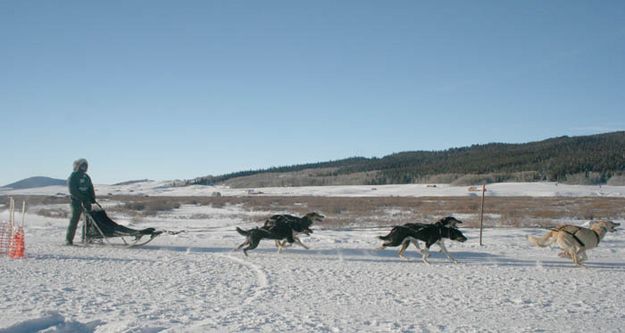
(597, 156)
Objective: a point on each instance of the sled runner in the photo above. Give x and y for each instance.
(99, 228)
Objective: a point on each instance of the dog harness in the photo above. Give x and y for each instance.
(577, 229)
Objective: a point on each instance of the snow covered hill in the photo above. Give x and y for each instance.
(35, 182)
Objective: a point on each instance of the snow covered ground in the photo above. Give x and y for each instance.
(194, 282)
(164, 188)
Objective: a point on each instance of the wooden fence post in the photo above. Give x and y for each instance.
(482, 213)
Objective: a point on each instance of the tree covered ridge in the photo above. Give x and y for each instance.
(599, 156)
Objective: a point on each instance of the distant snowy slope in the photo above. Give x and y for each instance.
(34, 182)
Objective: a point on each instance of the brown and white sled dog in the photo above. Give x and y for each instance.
(574, 240)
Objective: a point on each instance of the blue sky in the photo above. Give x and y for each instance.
(179, 89)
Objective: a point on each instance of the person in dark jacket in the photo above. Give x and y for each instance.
(82, 195)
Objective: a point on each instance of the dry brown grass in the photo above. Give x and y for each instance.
(147, 207)
(53, 212)
(35, 200)
(381, 211)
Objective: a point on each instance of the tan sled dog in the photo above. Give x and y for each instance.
(574, 240)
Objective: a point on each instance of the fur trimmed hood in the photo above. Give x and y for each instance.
(79, 162)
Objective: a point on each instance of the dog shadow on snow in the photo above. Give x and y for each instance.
(484, 259)
(469, 258)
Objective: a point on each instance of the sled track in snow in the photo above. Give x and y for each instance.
(255, 291)
(261, 278)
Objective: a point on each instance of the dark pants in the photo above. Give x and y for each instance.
(73, 222)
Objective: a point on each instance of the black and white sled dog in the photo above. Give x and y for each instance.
(281, 228)
(299, 225)
(428, 233)
(448, 221)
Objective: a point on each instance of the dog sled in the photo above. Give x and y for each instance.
(99, 228)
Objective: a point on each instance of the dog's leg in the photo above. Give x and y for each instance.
(298, 241)
(583, 256)
(574, 256)
(444, 250)
(252, 244)
(425, 253)
(242, 245)
(580, 256)
(441, 244)
(571, 247)
(403, 248)
(579, 261)
(415, 242)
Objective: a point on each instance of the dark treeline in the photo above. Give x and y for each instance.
(549, 160)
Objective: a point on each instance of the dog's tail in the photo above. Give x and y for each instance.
(545, 240)
(242, 232)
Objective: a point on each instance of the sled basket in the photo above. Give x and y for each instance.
(99, 228)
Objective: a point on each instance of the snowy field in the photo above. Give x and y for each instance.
(164, 188)
(194, 282)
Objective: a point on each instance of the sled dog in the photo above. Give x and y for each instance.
(448, 221)
(574, 240)
(279, 228)
(429, 233)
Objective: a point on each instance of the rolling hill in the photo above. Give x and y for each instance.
(34, 182)
(593, 159)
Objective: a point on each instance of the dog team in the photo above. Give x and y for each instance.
(284, 230)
